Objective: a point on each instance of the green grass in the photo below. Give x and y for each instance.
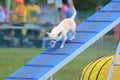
(12, 59)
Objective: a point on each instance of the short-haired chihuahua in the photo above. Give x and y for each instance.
(61, 30)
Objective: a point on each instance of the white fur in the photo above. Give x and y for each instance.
(61, 30)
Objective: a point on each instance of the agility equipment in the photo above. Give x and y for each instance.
(99, 69)
(48, 62)
(106, 68)
(115, 63)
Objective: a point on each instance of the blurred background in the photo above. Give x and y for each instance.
(23, 23)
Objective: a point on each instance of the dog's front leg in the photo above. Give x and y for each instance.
(63, 42)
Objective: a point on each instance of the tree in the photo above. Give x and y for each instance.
(89, 5)
(2, 2)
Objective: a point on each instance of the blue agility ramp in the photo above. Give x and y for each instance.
(47, 63)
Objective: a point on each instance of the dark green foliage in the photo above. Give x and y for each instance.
(2, 2)
(89, 5)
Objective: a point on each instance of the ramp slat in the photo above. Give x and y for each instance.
(104, 16)
(116, 0)
(92, 26)
(68, 46)
(83, 37)
(46, 60)
(29, 73)
(112, 7)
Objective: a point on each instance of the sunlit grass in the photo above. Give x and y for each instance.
(13, 58)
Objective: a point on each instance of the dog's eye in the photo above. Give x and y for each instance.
(54, 40)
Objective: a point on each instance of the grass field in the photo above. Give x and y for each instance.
(13, 58)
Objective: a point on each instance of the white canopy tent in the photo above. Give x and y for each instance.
(8, 2)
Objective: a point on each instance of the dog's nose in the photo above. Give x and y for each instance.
(52, 42)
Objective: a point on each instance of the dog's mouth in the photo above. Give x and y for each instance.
(53, 43)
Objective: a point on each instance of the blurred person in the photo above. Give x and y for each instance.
(33, 12)
(66, 11)
(10, 39)
(98, 8)
(19, 12)
(2, 14)
(6, 13)
(117, 32)
(63, 9)
(42, 34)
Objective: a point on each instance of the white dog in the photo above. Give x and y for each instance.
(61, 30)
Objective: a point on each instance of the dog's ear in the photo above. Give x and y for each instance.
(59, 33)
(48, 33)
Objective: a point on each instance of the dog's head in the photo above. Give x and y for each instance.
(54, 38)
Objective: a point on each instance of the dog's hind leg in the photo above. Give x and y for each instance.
(73, 34)
(63, 41)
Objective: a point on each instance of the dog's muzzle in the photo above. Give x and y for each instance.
(52, 42)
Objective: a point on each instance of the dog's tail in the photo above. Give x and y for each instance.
(74, 12)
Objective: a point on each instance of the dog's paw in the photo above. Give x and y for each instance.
(52, 47)
(71, 38)
(61, 46)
